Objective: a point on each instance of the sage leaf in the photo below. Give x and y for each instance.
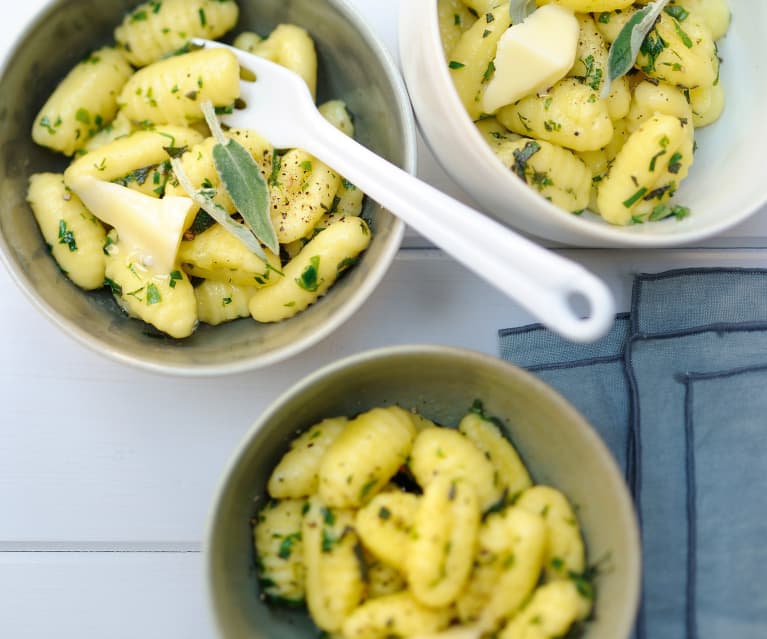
(243, 180)
(238, 171)
(217, 212)
(625, 48)
(520, 9)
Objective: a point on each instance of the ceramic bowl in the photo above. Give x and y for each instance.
(353, 65)
(725, 185)
(556, 443)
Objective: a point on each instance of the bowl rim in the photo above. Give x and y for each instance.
(377, 269)
(627, 514)
(590, 233)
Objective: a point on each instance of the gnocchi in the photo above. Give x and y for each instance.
(579, 125)
(405, 532)
(130, 116)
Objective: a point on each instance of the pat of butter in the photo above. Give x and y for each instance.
(150, 227)
(532, 55)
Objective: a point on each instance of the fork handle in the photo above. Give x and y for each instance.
(542, 282)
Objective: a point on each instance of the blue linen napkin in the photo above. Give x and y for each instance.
(677, 391)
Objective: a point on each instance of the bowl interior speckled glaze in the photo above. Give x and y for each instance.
(725, 185)
(353, 66)
(555, 442)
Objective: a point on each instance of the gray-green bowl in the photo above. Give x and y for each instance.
(353, 65)
(557, 444)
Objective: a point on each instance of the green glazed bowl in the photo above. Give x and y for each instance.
(353, 66)
(556, 443)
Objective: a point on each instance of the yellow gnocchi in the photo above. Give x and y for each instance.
(171, 91)
(288, 45)
(297, 474)
(84, 102)
(218, 302)
(447, 453)
(565, 551)
(164, 300)
(398, 545)
(279, 546)
(334, 584)
(312, 271)
(647, 171)
(489, 439)
(440, 556)
(155, 29)
(75, 237)
(399, 614)
(365, 456)
(510, 556)
(558, 174)
(139, 120)
(568, 115)
(385, 525)
(585, 106)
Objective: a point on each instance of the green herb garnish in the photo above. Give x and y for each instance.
(67, 236)
(675, 163)
(625, 49)
(677, 12)
(286, 546)
(242, 179)
(152, 294)
(113, 286)
(309, 280)
(522, 156)
(635, 198)
(175, 276)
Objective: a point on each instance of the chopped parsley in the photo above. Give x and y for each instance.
(309, 279)
(677, 12)
(686, 41)
(675, 163)
(51, 127)
(367, 487)
(113, 286)
(635, 198)
(652, 46)
(67, 236)
(152, 294)
(489, 72)
(522, 156)
(286, 546)
(662, 211)
(175, 276)
(655, 159)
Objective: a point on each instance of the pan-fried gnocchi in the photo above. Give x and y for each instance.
(401, 527)
(576, 125)
(124, 114)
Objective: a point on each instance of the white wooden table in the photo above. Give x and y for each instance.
(107, 473)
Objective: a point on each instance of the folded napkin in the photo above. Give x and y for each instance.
(678, 392)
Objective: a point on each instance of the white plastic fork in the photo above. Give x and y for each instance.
(279, 106)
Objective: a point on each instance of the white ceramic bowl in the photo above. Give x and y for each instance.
(353, 65)
(726, 183)
(558, 446)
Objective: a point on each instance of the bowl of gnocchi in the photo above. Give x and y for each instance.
(595, 122)
(151, 232)
(424, 492)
